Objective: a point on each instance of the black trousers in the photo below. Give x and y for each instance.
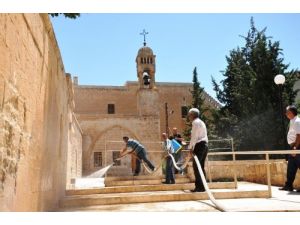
(170, 177)
(142, 155)
(292, 167)
(200, 150)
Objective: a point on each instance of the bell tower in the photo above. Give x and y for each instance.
(147, 94)
(145, 64)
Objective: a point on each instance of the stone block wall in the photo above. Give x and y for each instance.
(104, 134)
(36, 107)
(248, 170)
(74, 160)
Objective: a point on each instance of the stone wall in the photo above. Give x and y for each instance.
(139, 113)
(296, 87)
(249, 170)
(104, 134)
(36, 106)
(74, 161)
(93, 100)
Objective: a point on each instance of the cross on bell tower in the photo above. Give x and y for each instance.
(144, 33)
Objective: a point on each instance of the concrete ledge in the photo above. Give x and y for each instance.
(141, 197)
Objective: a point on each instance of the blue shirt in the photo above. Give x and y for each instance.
(168, 146)
(135, 145)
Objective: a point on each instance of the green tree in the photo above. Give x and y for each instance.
(67, 15)
(197, 102)
(251, 113)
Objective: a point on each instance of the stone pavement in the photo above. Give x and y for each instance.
(281, 201)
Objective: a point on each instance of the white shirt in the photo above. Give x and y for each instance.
(167, 144)
(199, 133)
(293, 130)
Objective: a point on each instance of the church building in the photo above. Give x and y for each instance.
(141, 109)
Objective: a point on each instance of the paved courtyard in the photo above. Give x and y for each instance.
(281, 201)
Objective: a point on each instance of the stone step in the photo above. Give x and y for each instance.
(141, 177)
(113, 183)
(144, 188)
(158, 196)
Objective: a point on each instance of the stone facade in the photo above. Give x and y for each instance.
(139, 112)
(297, 87)
(38, 132)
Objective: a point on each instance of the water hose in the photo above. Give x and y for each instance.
(156, 168)
(210, 196)
(180, 168)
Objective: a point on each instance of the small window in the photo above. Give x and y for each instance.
(97, 159)
(184, 111)
(111, 108)
(151, 62)
(115, 156)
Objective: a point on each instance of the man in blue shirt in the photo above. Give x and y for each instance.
(140, 153)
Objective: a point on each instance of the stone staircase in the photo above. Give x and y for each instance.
(147, 189)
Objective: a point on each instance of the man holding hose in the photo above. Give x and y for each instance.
(167, 144)
(140, 152)
(198, 146)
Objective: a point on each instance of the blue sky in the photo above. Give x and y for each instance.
(101, 48)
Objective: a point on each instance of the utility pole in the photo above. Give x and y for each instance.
(167, 119)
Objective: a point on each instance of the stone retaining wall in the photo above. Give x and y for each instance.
(36, 108)
(248, 170)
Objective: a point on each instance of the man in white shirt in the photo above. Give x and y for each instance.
(293, 139)
(167, 144)
(198, 146)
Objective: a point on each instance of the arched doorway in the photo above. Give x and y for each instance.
(107, 148)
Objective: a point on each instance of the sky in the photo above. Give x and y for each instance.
(101, 48)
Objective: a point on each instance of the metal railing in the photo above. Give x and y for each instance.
(267, 160)
(212, 152)
(159, 146)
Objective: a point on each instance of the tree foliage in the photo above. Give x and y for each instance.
(250, 98)
(67, 15)
(197, 102)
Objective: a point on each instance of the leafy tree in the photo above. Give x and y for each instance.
(67, 15)
(197, 102)
(251, 112)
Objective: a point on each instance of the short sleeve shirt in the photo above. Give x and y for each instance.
(293, 130)
(168, 146)
(135, 145)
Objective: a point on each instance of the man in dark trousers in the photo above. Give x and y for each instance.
(167, 145)
(293, 139)
(198, 146)
(140, 152)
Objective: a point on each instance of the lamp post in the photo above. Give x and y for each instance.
(279, 81)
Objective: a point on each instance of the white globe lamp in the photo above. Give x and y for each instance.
(279, 79)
